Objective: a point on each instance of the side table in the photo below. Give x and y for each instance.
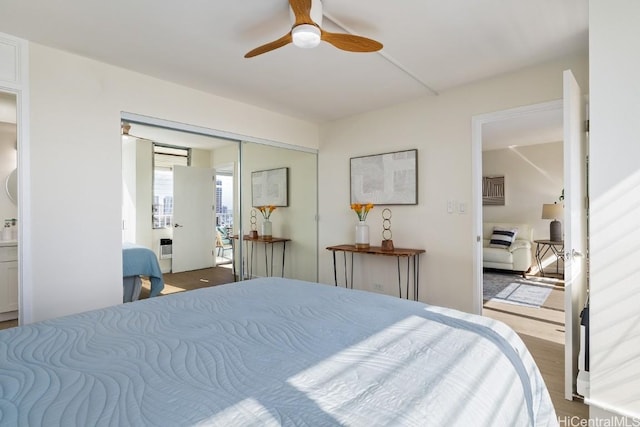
(543, 247)
(409, 254)
(266, 241)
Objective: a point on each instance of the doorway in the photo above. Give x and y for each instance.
(575, 216)
(9, 280)
(522, 136)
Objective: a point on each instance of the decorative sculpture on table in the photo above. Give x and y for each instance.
(387, 243)
(254, 226)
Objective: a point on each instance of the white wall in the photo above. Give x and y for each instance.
(614, 36)
(440, 128)
(75, 168)
(144, 193)
(129, 189)
(533, 176)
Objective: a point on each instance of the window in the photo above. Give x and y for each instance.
(224, 199)
(164, 158)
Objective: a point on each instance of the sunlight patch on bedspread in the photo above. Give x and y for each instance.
(390, 371)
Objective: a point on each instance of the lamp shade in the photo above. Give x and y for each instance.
(552, 211)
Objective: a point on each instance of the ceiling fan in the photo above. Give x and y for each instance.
(306, 32)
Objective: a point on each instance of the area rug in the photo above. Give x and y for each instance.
(514, 289)
(524, 294)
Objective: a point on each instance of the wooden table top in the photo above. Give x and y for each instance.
(263, 239)
(377, 250)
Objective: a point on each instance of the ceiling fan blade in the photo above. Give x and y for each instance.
(282, 41)
(351, 43)
(302, 11)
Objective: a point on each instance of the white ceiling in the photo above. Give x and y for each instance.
(541, 127)
(430, 46)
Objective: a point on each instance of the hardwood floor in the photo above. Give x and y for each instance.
(8, 324)
(189, 280)
(542, 330)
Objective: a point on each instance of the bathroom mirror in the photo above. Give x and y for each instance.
(11, 186)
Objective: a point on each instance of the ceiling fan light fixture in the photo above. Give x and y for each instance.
(306, 36)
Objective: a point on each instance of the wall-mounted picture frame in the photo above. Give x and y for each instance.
(493, 190)
(270, 187)
(385, 179)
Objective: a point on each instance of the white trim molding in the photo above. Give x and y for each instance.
(14, 78)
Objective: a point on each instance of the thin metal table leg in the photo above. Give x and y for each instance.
(539, 256)
(351, 270)
(416, 271)
(399, 280)
(266, 262)
(335, 270)
(408, 275)
(346, 281)
(245, 260)
(284, 249)
(233, 258)
(253, 249)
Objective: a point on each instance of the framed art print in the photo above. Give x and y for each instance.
(385, 179)
(270, 187)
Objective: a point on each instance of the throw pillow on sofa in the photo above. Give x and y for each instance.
(502, 237)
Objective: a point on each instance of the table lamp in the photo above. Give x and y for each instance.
(553, 211)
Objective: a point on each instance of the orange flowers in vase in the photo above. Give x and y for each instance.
(362, 229)
(266, 210)
(362, 209)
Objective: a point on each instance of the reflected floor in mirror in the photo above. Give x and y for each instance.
(189, 280)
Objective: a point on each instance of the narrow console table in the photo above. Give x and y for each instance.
(266, 241)
(409, 254)
(543, 247)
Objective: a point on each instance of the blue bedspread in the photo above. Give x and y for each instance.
(141, 261)
(270, 352)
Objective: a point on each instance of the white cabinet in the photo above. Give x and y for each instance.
(8, 280)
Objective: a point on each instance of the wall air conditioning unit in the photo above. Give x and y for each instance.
(166, 247)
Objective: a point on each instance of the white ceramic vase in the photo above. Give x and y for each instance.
(266, 229)
(362, 235)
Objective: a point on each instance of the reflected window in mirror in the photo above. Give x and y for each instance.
(164, 158)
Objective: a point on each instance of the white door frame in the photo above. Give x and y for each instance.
(575, 219)
(19, 87)
(476, 178)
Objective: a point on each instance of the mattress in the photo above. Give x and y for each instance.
(270, 352)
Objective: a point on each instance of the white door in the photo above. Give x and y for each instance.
(575, 221)
(193, 218)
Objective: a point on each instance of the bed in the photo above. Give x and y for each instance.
(269, 352)
(139, 261)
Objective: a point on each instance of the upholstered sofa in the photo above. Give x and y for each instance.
(516, 256)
